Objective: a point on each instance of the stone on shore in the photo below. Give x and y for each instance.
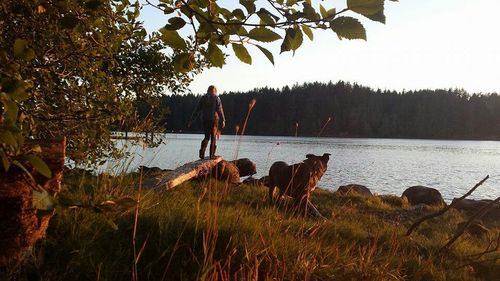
(470, 206)
(245, 167)
(226, 171)
(354, 189)
(423, 195)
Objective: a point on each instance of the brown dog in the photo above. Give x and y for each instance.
(297, 180)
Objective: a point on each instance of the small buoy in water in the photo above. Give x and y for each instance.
(278, 143)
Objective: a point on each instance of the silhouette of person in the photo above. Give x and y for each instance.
(212, 112)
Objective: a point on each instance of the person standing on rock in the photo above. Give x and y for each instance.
(212, 112)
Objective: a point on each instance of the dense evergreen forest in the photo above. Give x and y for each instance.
(355, 111)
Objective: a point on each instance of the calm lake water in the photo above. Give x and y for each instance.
(386, 166)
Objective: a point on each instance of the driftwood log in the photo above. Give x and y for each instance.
(21, 224)
(183, 173)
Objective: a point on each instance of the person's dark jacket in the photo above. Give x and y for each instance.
(210, 106)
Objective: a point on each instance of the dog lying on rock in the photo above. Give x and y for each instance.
(297, 180)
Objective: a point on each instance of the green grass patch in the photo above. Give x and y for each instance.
(211, 231)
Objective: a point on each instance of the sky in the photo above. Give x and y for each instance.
(425, 44)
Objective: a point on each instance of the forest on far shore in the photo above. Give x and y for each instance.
(355, 111)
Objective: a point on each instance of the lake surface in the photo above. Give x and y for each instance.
(386, 166)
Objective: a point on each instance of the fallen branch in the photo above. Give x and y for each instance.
(433, 215)
(476, 215)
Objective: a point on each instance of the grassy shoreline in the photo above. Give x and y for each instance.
(211, 231)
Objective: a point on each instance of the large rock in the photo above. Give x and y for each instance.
(471, 206)
(245, 167)
(226, 171)
(354, 189)
(423, 195)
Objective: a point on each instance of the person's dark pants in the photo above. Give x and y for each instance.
(209, 129)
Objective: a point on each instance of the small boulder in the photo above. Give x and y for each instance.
(245, 167)
(423, 195)
(471, 206)
(226, 171)
(354, 189)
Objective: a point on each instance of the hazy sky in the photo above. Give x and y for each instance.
(425, 44)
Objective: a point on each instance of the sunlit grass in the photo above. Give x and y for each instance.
(211, 231)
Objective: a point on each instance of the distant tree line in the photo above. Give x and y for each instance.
(353, 111)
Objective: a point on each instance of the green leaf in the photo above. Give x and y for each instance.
(182, 62)
(249, 5)
(331, 13)
(310, 12)
(348, 28)
(380, 17)
(372, 9)
(293, 40)
(267, 53)
(215, 55)
(39, 165)
(242, 53)
(172, 39)
(308, 31)
(11, 108)
(366, 7)
(42, 200)
(267, 17)
(175, 23)
(263, 34)
(239, 14)
(322, 11)
(6, 137)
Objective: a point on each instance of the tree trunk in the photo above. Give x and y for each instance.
(20, 224)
